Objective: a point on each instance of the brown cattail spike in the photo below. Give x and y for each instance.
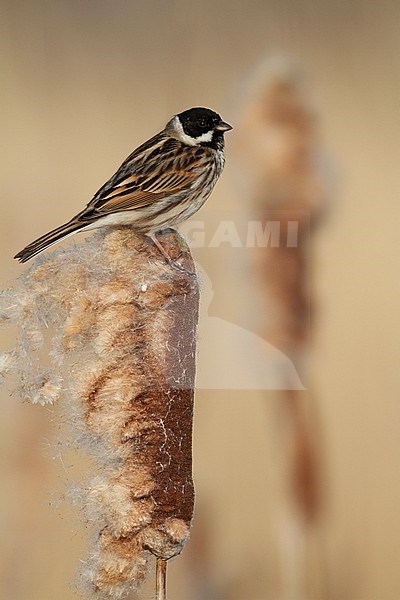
(123, 356)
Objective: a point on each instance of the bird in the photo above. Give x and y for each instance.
(160, 184)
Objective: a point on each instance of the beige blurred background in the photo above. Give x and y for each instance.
(83, 83)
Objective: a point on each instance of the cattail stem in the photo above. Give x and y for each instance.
(161, 579)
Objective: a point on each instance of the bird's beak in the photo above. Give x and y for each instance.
(222, 126)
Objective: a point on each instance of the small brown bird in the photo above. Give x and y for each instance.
(163, 182)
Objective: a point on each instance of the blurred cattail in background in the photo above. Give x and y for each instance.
(120, 327)
(278, 149)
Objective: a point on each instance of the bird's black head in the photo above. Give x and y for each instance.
(201, 127)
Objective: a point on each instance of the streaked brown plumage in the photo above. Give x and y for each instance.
(163, 182)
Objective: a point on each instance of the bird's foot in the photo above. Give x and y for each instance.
(176, 265)
(173, 262)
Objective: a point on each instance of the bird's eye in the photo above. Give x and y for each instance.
(203, 123)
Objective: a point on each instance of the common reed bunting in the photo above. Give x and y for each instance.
(163, 182)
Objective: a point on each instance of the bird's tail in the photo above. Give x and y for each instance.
(49, 239)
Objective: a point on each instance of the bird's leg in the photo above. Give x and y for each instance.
(170, 261)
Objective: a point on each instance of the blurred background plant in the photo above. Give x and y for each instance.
(83, 84)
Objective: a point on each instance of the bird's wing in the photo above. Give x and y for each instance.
(159, 168)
